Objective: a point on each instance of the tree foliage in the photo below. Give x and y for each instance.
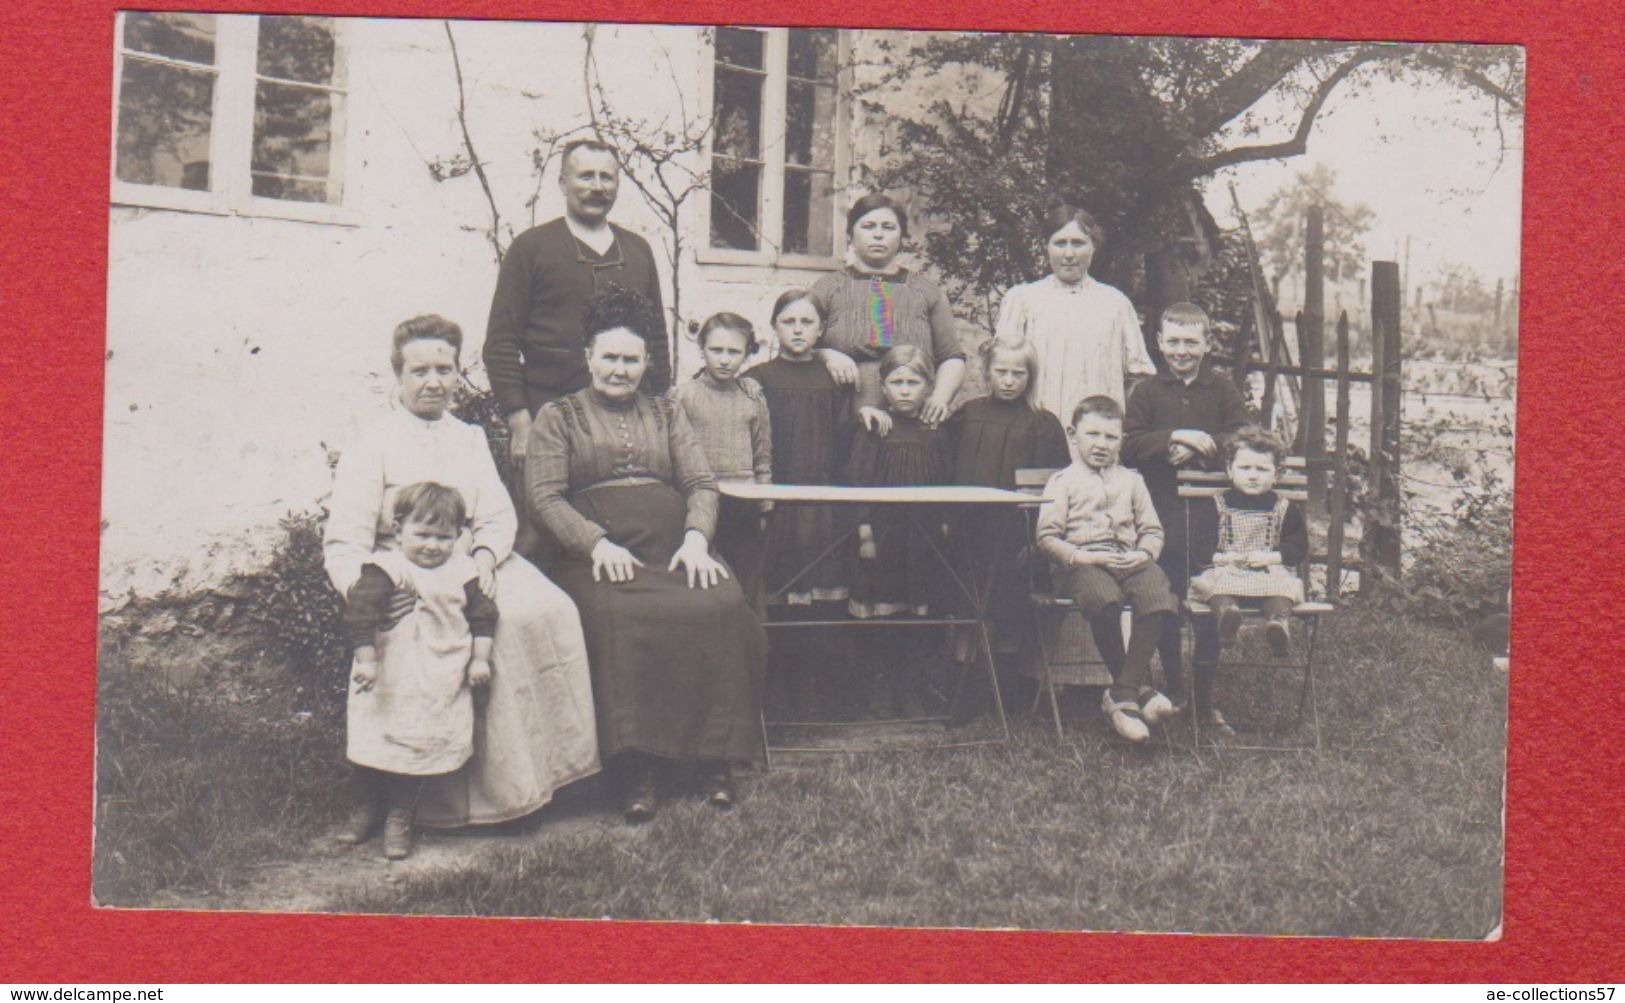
(1128, 128)
(1279, 227)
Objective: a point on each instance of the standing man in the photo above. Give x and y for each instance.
(535, 342)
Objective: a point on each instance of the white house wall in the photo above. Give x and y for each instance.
(241, 349)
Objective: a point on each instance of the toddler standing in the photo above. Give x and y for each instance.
(411, 714)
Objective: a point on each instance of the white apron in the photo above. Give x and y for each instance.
(418, 719)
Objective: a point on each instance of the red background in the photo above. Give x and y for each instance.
(1566, 768)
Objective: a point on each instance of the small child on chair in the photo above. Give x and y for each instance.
(1100, 529)
(1261, 537)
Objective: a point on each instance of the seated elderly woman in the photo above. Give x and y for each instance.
(677, 655)
(536, 731)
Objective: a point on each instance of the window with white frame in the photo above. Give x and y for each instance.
(230, 113)
(777, 147)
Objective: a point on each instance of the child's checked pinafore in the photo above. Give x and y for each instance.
(1243, 531)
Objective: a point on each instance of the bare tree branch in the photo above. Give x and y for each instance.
(1015, 92)
(1249, 84)
(495, 232)
(1471, 77)
(1188, 169)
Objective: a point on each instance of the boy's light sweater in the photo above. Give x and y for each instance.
(1089, 509)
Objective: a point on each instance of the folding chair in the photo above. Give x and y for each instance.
(1195, 485)
(1051, 615)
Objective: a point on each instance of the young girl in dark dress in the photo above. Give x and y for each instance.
(812, 422)
(896, 573)
(994, 437)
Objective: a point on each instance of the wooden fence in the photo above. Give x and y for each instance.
(1300, 411)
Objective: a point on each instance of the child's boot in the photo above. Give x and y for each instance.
(1279, 635)
(1207, 715)
(367, 801)
(1229, 617)
(398, 833)
(403, 808)
(1170, 652)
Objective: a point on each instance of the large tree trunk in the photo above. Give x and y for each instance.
(1169, 278)
(1107, 133)
(1099, 118)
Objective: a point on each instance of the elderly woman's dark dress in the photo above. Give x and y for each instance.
(677, 671)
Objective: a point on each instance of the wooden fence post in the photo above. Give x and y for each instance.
(1312, 355)
(1381, 542)
(1337, 496)
(1243, 352)
(1272, 360)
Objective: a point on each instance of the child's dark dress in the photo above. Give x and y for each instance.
(905, 576)
(994, 439)
(811, 418)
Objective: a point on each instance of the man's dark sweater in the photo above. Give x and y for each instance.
(535, 340)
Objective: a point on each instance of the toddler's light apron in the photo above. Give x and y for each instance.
(418, 719)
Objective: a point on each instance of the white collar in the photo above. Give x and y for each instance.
(599, 239)
(422, 424)
(1055, 282)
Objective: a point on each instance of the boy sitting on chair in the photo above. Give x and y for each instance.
(1100, 529)
(1175, 421)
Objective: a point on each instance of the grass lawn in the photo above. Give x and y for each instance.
(1393, 829)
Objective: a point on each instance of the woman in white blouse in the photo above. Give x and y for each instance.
(1086, 332)
(536, 732)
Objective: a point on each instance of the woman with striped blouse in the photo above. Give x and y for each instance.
(874, 305)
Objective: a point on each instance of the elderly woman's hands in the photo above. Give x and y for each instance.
(695, 557)
(612, 561)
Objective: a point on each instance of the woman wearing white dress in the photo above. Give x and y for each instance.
(1086, 332)
(536, 732)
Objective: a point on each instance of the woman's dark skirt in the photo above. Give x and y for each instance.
(676, 671)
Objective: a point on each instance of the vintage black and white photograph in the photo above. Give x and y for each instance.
(809, 475)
